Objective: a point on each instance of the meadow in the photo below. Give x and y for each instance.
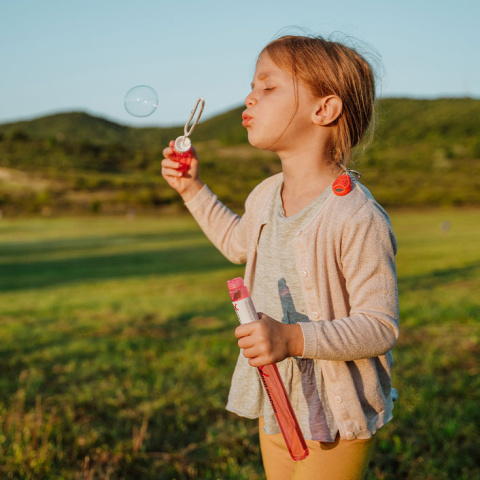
(117, 349)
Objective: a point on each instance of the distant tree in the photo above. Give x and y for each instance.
(19, 136)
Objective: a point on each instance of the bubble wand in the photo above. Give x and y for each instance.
(183, 145)
(270, 376)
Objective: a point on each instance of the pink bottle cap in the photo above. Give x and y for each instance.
(235, 284)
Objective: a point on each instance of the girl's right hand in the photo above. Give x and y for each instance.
(188, 184)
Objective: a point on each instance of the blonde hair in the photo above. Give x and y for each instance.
(327, 67)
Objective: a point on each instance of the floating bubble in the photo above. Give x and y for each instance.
(141, 101)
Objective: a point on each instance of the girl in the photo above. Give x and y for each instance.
(319, 263)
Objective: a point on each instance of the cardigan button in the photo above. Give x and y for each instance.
(350, 435)
(315, 314)
(338, 399)
(303, 274)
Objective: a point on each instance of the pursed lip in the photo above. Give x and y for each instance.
(246, 119)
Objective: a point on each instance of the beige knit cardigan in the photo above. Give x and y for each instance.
(346, 265)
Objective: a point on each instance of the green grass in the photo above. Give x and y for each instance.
(117, 349)
(435, 431)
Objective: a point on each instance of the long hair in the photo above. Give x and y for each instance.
(331, 68)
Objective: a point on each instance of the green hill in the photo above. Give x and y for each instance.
(75, 126)
(79, 127)
(424, 153)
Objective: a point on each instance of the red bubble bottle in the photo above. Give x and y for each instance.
(270, 376)
(183, 146)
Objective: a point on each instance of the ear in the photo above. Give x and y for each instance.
(327, 110)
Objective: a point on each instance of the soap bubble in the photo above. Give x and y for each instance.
(141, 101)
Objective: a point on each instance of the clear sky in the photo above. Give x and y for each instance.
(65, 55)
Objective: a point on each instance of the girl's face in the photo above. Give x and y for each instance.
(279, 111)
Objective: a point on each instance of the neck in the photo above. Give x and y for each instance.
(308, 170)
(306, 174)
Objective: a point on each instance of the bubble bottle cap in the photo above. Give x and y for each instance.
(235, 283)
(182, 144)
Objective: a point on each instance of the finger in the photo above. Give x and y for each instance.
(243, 330)
(168, 152)
(171, 172)
(246, 342)
(251, 352)
(168, 163)
(258, 362)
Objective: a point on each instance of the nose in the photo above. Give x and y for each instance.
(250, 100)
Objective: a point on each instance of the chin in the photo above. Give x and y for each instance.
(253, 140)
(260, 143)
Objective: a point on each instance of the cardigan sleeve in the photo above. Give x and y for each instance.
(367, 253)
(226, 230)
(221, 226)
(229, 232)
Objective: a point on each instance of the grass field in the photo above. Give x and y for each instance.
(117, 349)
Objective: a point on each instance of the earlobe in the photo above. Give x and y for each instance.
(328, 110)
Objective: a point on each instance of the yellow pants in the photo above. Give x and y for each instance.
(338, 460)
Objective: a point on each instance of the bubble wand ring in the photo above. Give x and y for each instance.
(183, 144)
(201, 102)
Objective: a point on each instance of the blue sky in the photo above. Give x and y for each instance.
(65, 55)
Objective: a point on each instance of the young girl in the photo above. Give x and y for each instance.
(319, 261)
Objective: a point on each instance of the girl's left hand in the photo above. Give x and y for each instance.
(267, 341)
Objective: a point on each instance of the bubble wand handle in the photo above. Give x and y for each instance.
(270, 376)
(183, 144)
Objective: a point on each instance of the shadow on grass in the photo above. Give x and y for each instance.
(93, 242)
(437, 278)
(49, 273)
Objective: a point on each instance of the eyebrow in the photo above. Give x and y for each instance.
(263, 76)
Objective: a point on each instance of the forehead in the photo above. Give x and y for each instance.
(266, 68)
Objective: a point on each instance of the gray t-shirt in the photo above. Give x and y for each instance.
(277, 293)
